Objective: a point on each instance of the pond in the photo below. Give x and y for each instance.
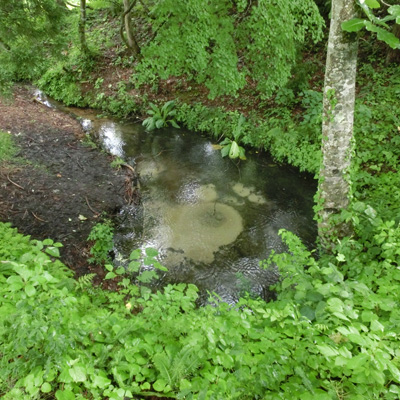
(210, 218)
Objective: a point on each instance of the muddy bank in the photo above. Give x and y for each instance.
(61, 187)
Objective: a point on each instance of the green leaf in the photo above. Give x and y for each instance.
(110, 275)
(53, 251)
(234, 152)
(395, 11)
(327, 350)
(341, 257)
(134, 266)
(147, 276)
(159, 385)
(160, 267)
(385, 36)
(151, 252)
(46, 387)
(65, 395)
(174, 124)
(394, 371)
(30, 290)
(135, 254)
(308, 312)
(372, 4)
(353, 25)
(120, 271)
(242, 153)
(226, 149)
(101, 381)
(78, 373)
(388, 38)
(376, 326)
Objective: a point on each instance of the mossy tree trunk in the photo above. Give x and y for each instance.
(337, 125)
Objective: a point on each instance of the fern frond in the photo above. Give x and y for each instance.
(163, 364)
(85, 281)
(184, 363)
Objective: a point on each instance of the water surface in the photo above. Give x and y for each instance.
(212, 219)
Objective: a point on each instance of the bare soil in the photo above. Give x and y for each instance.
(61, 187)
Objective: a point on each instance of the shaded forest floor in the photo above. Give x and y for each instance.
(58, 187)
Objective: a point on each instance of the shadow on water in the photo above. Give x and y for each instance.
(211, 219)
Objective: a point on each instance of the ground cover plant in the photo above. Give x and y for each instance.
(325, 336)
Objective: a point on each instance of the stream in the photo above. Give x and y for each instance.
(211, 219)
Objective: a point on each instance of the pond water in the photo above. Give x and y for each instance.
(211, 219)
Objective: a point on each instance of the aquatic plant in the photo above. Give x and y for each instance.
(230, 147)
(161, 116)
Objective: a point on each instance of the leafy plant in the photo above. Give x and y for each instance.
(230, 147)
(102, 235)
(322, 337)
(161, 117)
(85, 282)
(376, 24)
(117, 162)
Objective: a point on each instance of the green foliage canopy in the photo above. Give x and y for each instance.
(224, 43)
(29, 32)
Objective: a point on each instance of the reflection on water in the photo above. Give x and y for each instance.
(112, 138)
(211, 219)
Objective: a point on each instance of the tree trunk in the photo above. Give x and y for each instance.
(130, 40)
(337, 125)
(82, 28)
(393, 55)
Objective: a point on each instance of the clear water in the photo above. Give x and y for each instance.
(212, 219)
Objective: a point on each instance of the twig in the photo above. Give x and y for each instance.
(129, 166)
(39, 219)
(16, 184)
(90, 208)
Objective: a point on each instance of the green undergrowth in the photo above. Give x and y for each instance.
(376, 161)
(325, 337)
(7, 147)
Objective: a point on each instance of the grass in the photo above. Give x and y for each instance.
(7, 147)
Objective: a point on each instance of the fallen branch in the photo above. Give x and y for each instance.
(38, 218)
(16, 184)
(90, 208)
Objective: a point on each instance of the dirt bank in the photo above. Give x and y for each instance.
(61, 187)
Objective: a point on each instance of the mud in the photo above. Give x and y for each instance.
(60, 187)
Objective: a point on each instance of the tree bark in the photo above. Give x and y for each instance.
(130, 40)
(82, 28)
(337, 125)
(393, 55)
